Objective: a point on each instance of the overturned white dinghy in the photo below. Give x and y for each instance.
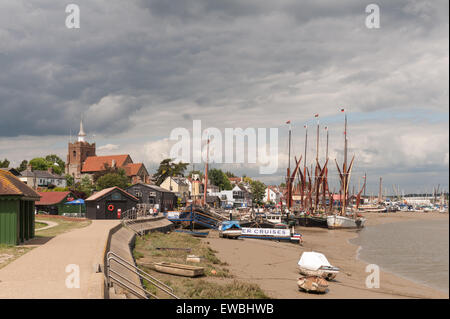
(316, 264)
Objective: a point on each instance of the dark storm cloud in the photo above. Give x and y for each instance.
(150, 65)
(200, 51)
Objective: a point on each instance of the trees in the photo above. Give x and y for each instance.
(168, 168)
(247, 179)
(258, 189)
(106, 170)
(42, 164)
(119, 179)
(23, 166)
(39, 163)
(218, 178)
(57, 163)
(69, 180)
(4, 163)
(84, 188)
(229, 174)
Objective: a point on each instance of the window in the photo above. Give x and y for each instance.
(74, 154)
(116, 196)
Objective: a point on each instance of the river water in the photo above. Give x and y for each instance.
(416, 250)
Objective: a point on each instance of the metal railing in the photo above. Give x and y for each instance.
(130, 217)
(111, 273)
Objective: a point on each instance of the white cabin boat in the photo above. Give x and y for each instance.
(336, 222)
(372, 209)
(274, 218)
(316, 264)
(230, 229)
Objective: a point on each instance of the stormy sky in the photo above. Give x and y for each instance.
(137, 69)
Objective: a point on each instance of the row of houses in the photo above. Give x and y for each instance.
(39, 178)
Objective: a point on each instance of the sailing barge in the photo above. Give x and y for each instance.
(340, 220)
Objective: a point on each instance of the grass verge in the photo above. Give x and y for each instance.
(38, 225)
(9, 253)
(62, 227)
(218, 282)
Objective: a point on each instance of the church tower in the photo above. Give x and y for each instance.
(78, 152)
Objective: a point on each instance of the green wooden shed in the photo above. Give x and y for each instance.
(16, 210)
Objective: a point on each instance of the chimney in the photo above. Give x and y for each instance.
(29, 167)
(50, 169)
(113, 163)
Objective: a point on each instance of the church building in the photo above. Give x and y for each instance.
(82, 160)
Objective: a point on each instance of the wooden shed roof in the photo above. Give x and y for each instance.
(12, 186)
(52, 198)
(106, 191)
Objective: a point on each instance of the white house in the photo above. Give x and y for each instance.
(38, 178)
(235, 198)
(272, 194)
(179, 185)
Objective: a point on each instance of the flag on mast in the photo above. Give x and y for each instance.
(288, 122)
(342, 110)
(316, 115)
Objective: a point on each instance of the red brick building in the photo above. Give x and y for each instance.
(82, 160)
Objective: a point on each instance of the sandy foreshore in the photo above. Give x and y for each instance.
(273, 265)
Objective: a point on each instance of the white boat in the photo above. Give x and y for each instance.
(316, 264)
(336, 221)
(372, 209)
(274, 218)
(230, 229)
(230, 233)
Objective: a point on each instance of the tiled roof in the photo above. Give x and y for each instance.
(11, 185)
(154, 187)
(180, 180)
(39, 174)
(97, 163)
(105, 191)
(11, 170)
(52, 198)
(132, 169)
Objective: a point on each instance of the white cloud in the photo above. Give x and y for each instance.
(136, 74)
(108, 147)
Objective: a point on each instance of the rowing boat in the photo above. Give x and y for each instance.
(193, 233)
(179, 269)
(312, 284)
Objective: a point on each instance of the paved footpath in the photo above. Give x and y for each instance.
(41, 273)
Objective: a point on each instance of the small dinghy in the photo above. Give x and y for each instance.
(312, 284)
(179, 269)
(230, 229)
(193, 233)
(316, 264)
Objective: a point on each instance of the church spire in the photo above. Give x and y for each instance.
(81, 134)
